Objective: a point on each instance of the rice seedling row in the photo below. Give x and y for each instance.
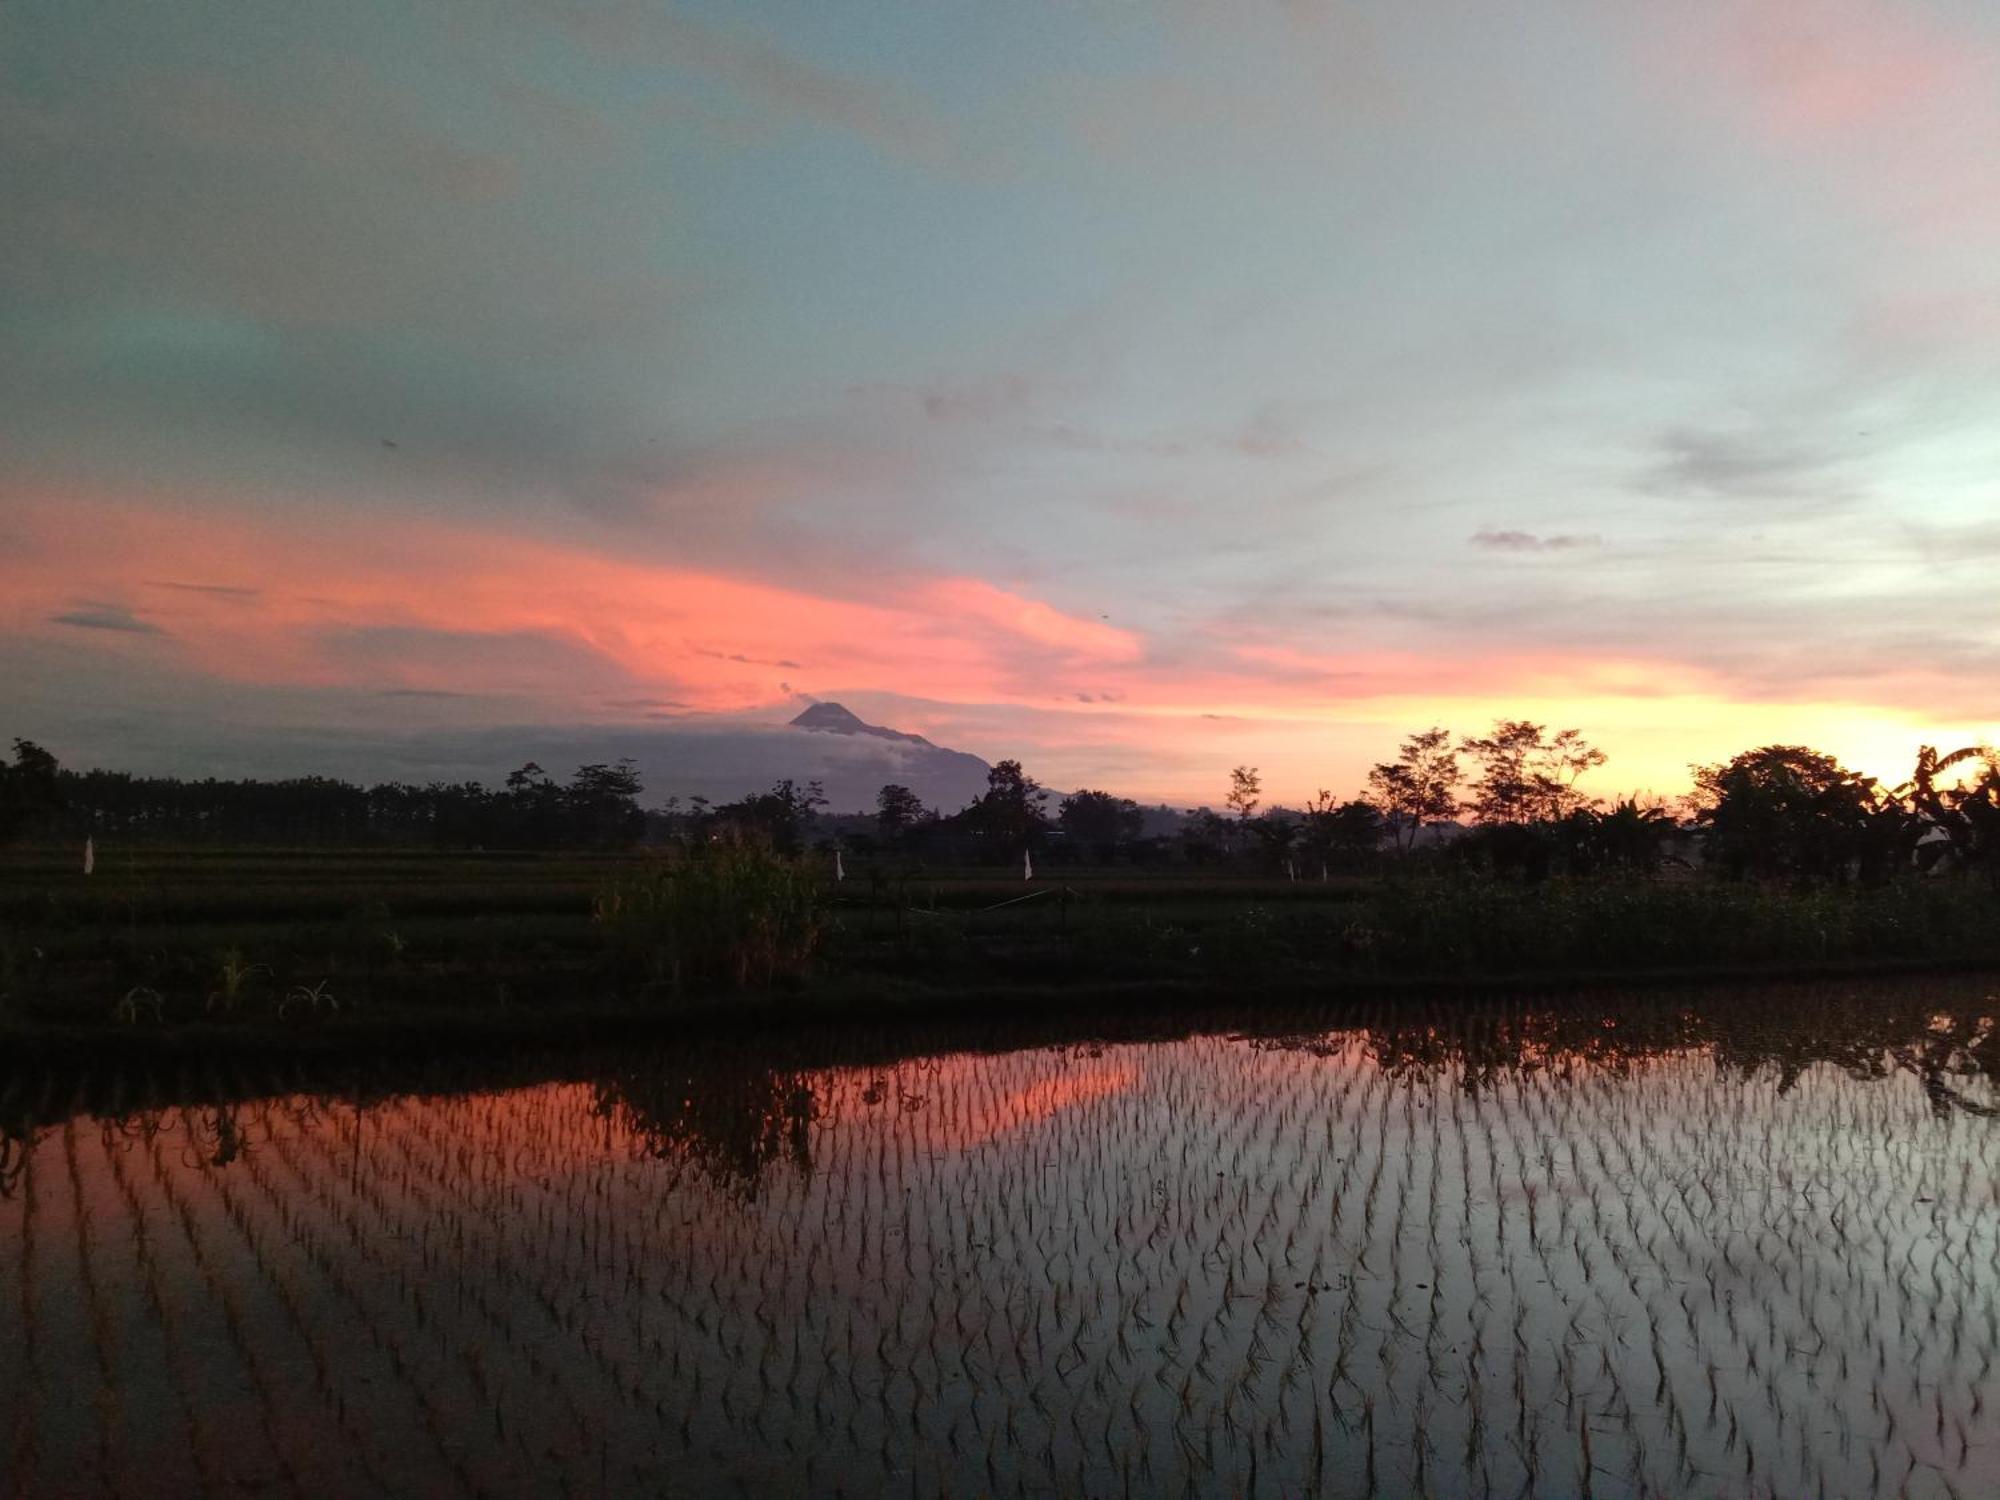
(1361, 1261)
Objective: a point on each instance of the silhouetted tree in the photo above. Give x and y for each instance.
(897, 811)
(602, 807)
(1276, 837)
(1420, 786)
(1630, 838)
(1009, 815)
(1527, 775)
(1790, 813)
(1339, 835)
(1526, 851)
(535, 807)
(1245, 790)
(1204, 836)
(1967, 814)
(784, 815)
(597, 809)
(30, 793)
(1098, 823)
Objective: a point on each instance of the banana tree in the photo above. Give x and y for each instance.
(1969, 813)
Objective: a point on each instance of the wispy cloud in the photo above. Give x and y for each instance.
(494, 614)
(748, 661)
(1706, 463)
(1528, 541)
(648, 357)
(894, 118)
(213, 590)
(976, 401)
(90, 616)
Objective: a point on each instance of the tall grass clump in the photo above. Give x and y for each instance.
(727, 914)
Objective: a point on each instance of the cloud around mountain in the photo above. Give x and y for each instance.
(719, 759)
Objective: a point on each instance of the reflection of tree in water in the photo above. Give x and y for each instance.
(1863, 1035)
(215, 1136)
(1866, 1040)
(202, 1118)
(735, 1108)
(729, 1115)
(15, 1148)
(1954, 1047)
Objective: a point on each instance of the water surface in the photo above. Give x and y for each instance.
(1727, 1245)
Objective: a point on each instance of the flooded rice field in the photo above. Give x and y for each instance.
(1741, 1244)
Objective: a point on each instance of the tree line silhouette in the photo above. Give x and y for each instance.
(1507, 802)
(597, 808)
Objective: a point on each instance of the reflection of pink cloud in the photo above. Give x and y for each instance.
(968, 1101)
(1047, 1098)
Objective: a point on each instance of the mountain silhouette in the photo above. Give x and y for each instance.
(709, 756)
(942, 777)
(833, 718)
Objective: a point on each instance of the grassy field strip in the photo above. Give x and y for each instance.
(268, 948)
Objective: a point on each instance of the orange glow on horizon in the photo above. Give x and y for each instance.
(426, 607)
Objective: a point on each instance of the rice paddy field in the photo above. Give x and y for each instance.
(472, 933)
(353, 942)
(1737, 1242)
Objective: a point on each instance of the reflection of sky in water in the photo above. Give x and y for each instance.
(964, 1105)
(1444, 1259)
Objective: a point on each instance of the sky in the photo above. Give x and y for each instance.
(1136, 388)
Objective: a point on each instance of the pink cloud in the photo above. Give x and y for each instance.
(1820, 72)
(315, 604)
(1895, 104)
(427, 610)
(1032, 620)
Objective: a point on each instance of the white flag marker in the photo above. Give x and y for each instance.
(89, 855)
(839, 869)
(1027, 865)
